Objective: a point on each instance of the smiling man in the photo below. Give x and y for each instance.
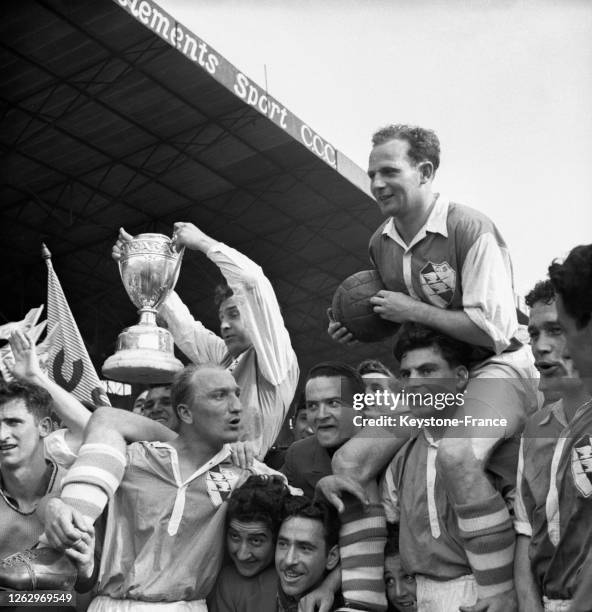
(329, 392)
(158, 406)
(446, 266)
(254, 344)
(249, 582)
(306, 550)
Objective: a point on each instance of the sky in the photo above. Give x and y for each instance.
(506, 85)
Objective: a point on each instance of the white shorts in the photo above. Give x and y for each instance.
(556, 605)
(108, 604)
(447, 595)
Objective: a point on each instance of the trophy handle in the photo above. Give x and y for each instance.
(177, 267)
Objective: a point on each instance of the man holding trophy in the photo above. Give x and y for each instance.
(255, 347)
(254, 344)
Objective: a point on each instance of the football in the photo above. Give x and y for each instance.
(351, 307)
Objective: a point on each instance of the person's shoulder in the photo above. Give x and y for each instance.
(378, 232)
(305, 446)
(467, 219)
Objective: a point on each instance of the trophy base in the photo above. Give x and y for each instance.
(144, 355)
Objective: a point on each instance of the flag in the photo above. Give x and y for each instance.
(30, 319)
(68, 363)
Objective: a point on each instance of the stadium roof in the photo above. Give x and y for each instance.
(115, 115)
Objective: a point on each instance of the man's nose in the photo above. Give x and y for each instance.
(224, 324)
(235, 403)
(414, 380)
(542, 344)
(377, 182)
(243, 552)
(291, 556)
(323, 411)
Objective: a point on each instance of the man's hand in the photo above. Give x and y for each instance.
(339, 332)
(121, 239)
(394, 306)
(243, 454)
(65, 526)
(333, 488)
(505, 602)
(319, 600)
(82, 553)
(190, 236)
(26, 363)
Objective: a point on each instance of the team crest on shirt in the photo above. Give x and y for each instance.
(438, 282)
(220, 483)
(581, 465)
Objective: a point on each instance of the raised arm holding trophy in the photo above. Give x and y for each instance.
(253, 342)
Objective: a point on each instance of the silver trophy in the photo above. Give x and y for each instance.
(149, 267)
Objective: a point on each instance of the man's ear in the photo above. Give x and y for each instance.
(332, 558)
(426, 170)
(184, 414)
(45, 427)
(462, 377)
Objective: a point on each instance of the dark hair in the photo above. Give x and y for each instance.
(543, 291)
(373, 366)
(260, 498)
(423, 143)
(300, 405)
(166, 385)
(36, 399)
(414, 336)
(333, 369)
(222, 292)
(303, 507)
(572, 280)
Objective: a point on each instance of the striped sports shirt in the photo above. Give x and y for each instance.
(459, 261)
(554, 497)
(414, 497)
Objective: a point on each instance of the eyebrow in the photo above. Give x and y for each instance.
(299, 542)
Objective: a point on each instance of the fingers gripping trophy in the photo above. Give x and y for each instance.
(149, 266)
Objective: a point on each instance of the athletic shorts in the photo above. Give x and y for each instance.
(447, 595)
(108, 604)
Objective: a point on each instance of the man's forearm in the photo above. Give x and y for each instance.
(529, 598)
(70, 411)
(454, 323)
(132, 427)
(362, 458)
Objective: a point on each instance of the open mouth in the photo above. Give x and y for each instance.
(7, 447)
(290, 576)
(550, 369)
(235, 422)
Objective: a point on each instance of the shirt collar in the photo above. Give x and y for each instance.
(556, 411)
(430, 439)
(436, 223)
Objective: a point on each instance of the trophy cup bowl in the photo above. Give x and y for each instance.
(149, 267)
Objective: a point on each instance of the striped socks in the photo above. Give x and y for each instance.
(93, 479)
(489, 539)
(361, 543)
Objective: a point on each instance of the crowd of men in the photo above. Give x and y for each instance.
(476, 497)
